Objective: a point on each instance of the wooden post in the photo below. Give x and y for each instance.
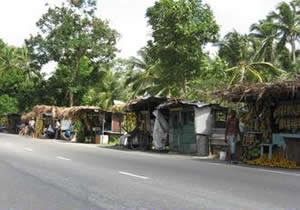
(103, 121)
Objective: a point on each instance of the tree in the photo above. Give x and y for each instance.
(238, 51)
(112, 86)
(17, 77)
(287, 23)
(143, 75)
(266, 34)
(213, 77)
(180, 29)
(8, 104)
(70, 35)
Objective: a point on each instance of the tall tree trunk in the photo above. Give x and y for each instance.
(183, 84)
(74, 74)
(71, 98)
(293, 44)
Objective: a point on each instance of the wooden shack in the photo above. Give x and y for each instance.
(272, 118)
(190, 124)
(141, 136)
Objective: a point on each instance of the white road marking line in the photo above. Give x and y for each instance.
(28, 149)
(62, 158)
(133, 175)
(279, 172)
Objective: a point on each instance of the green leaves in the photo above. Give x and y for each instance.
(180, 29)
(78, 41)
(8, 104)
(286, 21)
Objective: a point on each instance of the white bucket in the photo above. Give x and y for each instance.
(222, 155)
(104, 139)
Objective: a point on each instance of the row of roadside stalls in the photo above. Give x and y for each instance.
(174, 125)
(97, 123)
(185, 127)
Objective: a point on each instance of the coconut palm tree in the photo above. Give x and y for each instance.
(266, 34)
(143, 75)
(238, 51)
(286, 20)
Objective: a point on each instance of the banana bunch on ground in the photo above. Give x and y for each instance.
(286, 110)
(278, 161)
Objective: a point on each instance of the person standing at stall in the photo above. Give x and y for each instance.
(31, 125)
(231, 133)
(57, 129)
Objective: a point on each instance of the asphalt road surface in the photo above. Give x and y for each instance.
(47, 174)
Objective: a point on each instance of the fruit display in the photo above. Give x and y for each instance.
(286, 110)
(248, 119)
(287, 117)
(278, 161)
(261, 122)
(288, 123)
(266, 125)
(38, 127)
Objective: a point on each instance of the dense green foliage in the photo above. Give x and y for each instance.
(172, 63)
(180, 30)
(78, 41)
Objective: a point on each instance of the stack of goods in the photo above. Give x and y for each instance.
(262, 123)
(288, 117)
(278, 161)
(248, 140)
(249, 119)
(266, 125)
(38, 127)
(251, 149)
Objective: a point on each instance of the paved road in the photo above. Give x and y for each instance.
(45, 174)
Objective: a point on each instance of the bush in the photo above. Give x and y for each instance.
(79, 130)
(114, 140)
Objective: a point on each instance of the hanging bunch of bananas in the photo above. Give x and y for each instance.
(248, 118)
(288, 123)
(38, 127)
(286, 110)
(287, 116)
(278, 161)
(266, 125)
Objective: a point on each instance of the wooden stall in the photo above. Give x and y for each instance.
(272, 120)
(141, 136)
(191, 124)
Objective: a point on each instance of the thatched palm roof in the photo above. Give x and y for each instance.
(59, 112)
(28, 116)
(281, 90)
(76, 111)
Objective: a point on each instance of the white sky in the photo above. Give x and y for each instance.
(18, 17)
